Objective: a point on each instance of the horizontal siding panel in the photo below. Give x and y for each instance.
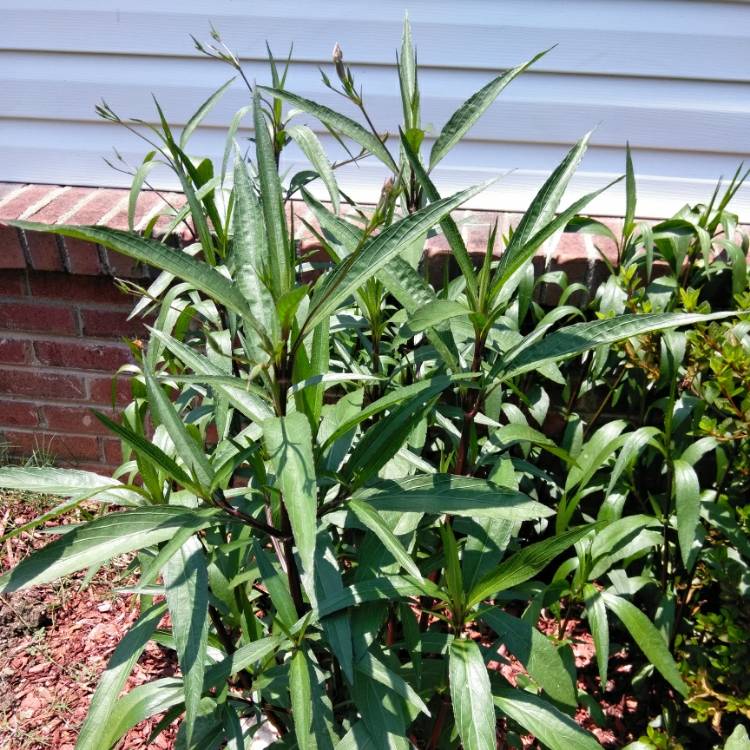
(672, 77)
(28, 153)
(660, 38)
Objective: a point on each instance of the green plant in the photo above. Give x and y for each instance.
(341, 491)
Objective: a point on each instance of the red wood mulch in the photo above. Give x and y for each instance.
(56, 641)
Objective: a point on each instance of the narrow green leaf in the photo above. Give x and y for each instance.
(435, 313)
(687, 495)
(202, 111)
(187, 449)
(277, 586)
(372, 520)
(150, 452)
(339, 123)
(238, 392)
(535, 651)
(68, 483)
(365, 263)
(186, 585)
(648, 638)
(300, 691)
(471, 696)
(202, 276)
(599, 626)
(463, 119)
(272, 203)
(580, 337)
(549, 725)
(101, 540)
(288, 441)
(372, 667)
(313, 150)
(526, 564)
(376, 589)
(456, 495)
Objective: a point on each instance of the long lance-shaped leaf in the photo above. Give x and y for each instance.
(375, 669)
(146, 449)
(471, 696)
(113, 679)
(514, 259)
(687, 495)
(300, 691)
(187, 449)
(339, 123)
(596, 613)
(578, 338)
(433, 386)
(372, 520)
(272, 203)
(525, 564)
(202, 276)
(463, 119)
(375, 589)
(648, 638)
(448, 493)
(535, 651)
(250, 254)
(540, 718)
(354, 270)
(544, 205)
(313, 150)
(288, 441)
(238, 395)
(101, 540)
(450, 230)
(186, 584)
(398, 277)
(68, 483)
(202, 111)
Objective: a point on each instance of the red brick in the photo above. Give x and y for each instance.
(6, 188)
(83, 257)
(112, 451)
(76, 419)
(62, 448)
(28, 197)
(100, 391)
(27, 316)
(81, 355)
(14, 351)
(18, 414)
(79, 289)
(12, 283)
(11, 254)
(61, 205)
(104, 201)
(44, 251)
(28, 382)
(110, 324)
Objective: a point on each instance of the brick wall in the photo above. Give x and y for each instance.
(63, 320)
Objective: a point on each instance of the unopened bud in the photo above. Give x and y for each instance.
(338, 61)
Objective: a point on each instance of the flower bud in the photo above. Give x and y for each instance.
(338, 61)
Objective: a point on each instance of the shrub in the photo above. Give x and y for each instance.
(346, 483)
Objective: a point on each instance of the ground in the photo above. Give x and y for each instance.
(56, 642)
(58, 638)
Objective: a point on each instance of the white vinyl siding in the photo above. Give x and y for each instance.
(672, 77)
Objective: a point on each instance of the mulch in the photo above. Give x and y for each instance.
(58, 638)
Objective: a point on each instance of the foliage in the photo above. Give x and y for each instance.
(340, 487)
